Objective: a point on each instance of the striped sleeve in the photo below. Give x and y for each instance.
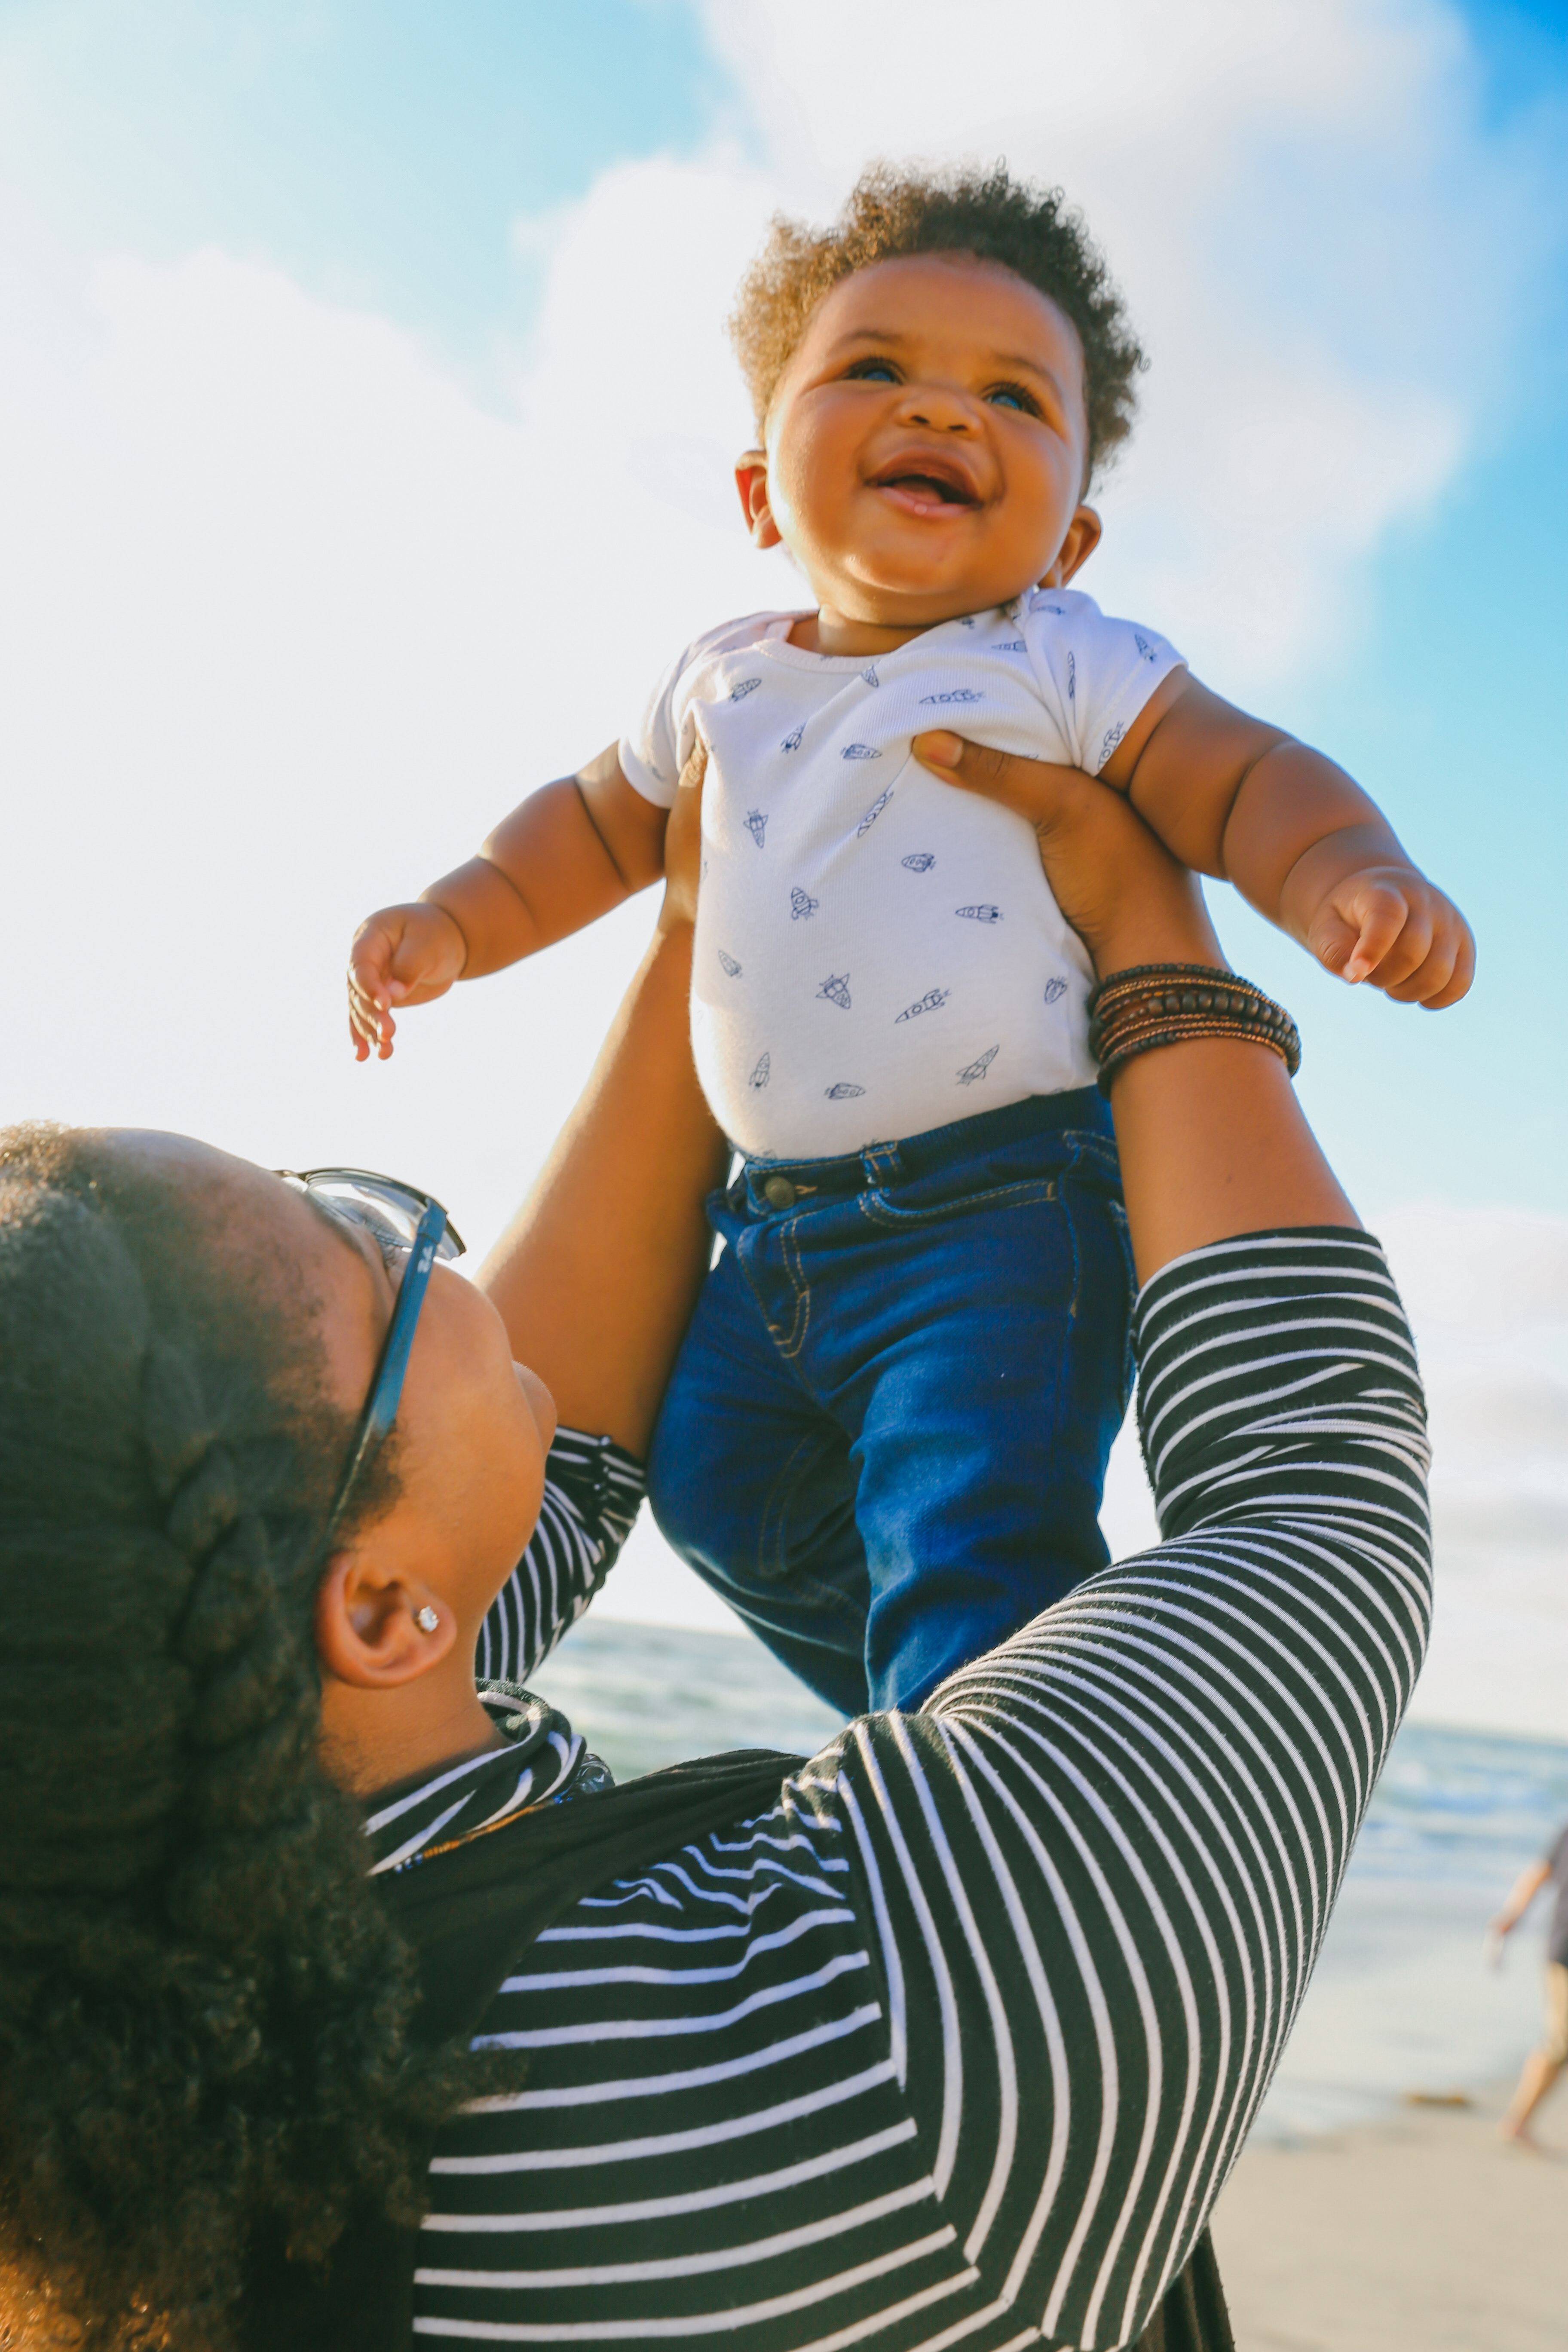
(1107, 1852)
(957, 2045)
(592, 1491)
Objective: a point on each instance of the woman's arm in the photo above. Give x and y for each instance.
(1211, 1136)
(596, 1275)
(1101, 1860)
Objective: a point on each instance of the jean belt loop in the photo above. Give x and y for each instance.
(881, 1162)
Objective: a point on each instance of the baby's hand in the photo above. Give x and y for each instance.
(401, 955)
(1386, 923)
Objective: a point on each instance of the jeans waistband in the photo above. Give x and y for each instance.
(1081, 1107)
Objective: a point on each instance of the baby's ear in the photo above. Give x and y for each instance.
(1082, 538)
(751, 481)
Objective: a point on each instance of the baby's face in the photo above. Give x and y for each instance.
(926, 448)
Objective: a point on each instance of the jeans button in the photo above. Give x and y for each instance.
(779, 1193)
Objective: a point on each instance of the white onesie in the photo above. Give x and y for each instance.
(876, 952)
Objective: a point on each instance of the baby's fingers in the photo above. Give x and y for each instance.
(1412, 946)
(1459, 982)
(371, 953)
(1449, 966)
(1394, 929)
(1331, 939)
(1362, 924)
(1385, 924)
(371, 1025)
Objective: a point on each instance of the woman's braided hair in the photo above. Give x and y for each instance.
(891, 213)
(205, 2016)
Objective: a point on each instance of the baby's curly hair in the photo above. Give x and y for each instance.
(890, 211)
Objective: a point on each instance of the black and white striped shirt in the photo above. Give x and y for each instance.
(957, 2043)
(591, 1499)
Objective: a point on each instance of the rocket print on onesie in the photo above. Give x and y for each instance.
(876, 953)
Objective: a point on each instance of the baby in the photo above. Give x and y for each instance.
(885, 1438)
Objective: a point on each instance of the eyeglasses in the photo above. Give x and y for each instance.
(403, 1222)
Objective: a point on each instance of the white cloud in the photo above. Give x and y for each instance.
(1471, 1275)
(287, 619)
(1486, 1291)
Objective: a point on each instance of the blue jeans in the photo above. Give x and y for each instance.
(884, 1441)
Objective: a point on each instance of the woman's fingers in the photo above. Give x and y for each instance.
(1125, 895)
(1037, 789)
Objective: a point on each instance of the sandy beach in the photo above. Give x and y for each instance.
(1420, 2234)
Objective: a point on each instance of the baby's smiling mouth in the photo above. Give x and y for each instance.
(924, 485)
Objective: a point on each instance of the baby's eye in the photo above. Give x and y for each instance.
(874, 371)
(1013, 395)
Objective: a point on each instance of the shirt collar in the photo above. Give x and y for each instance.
(544, 1761)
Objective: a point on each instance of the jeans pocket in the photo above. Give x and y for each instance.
(893, 1216)
(1092, 1158)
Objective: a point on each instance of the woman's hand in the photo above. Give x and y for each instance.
(1128, 901)
(1212, 1138)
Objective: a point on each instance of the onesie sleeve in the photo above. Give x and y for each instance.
(1097, 673)
(650, 755)
(658, 747)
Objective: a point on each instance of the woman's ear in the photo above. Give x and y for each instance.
(751, 481)
(1082, 539)
(377, 1629)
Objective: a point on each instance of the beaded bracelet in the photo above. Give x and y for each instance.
(1151, 1004)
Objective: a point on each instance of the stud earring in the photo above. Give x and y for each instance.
(427, 1618)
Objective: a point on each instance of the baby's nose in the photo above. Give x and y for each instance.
(941, 416)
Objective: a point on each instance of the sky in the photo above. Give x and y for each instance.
(365, 425)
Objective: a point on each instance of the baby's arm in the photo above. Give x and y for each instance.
(570, 853)
(1235, 797)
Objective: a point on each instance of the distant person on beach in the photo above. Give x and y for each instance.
(892, 1022)
(1545, 2064)
(345, 2006)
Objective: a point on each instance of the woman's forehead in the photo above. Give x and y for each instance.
(235, 1202)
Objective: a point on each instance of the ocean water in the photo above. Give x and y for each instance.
(643, 1695)
(1402, 2001)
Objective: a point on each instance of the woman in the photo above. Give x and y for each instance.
(949, 2036)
